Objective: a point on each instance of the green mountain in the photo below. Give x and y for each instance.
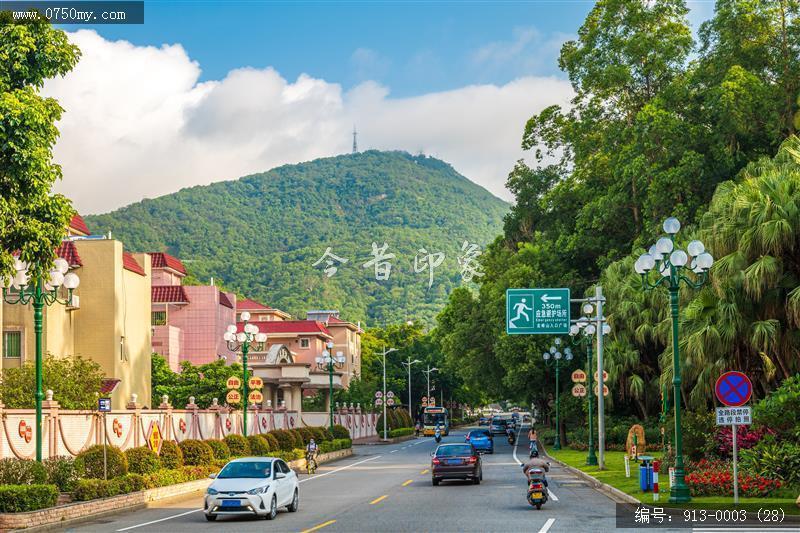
(261, 234)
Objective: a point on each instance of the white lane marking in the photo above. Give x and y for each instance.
(317, 476)
(552, 496)
(393, 451)
(547, 525)
(516, 443)
(159, 520)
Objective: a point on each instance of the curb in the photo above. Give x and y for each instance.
(612, 492)
(391, 440)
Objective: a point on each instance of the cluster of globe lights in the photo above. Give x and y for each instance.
(328, 359)
(58, 276)
(584, 324)
(556, 354)
(250, 333)
(662, 254)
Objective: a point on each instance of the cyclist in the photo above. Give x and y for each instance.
(311, 455)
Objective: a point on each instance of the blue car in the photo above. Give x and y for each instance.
(481, 440)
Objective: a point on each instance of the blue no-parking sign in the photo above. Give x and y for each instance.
(733, 389)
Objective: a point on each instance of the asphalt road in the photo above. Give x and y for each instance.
(388, 488)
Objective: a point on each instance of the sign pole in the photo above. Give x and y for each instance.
(601, 421)
(105, 451)
(735, 468)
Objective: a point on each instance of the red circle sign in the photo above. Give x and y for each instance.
(733, 389)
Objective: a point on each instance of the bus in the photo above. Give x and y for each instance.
(433, 415)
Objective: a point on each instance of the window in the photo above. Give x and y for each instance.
(12, 344)
(158, 318)
(304, 343)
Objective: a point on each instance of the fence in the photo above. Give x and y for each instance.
(69, 432)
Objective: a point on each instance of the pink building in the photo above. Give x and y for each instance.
(188, 321)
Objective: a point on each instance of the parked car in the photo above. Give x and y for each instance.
(498, 425)
(481, 440)
(254, 486)
(483, 421)
(456, 461)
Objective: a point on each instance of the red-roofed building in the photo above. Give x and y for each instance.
(259, 312)
(167, 270)
(77, 227)
(346, 339)
(129, 263)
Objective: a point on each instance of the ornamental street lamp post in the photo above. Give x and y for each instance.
(589, 330)
(408, 364)
(385, 352)
(246, 340)
(16, 290)
(328, 362)
(428, 378)
(672, 265)
(557, 357)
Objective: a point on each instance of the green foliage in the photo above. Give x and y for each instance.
(142, 460)
(292, 455)
(286, 441)
(91, 489)
(220, 449)
(90, 462)
(335, 444)
(272, 442)
(196, 452)
(340, 432)
(75, 382)
(21, 472)
(774, 459)
(778, 411)
(297, 438)
(170, 455)
(401, 432)
(698, 428)
(166, 477)
(238, 445)
(127, 484)
(61, 472)
(23, 498)
(204, 382)
(321, 434)
(32, 219)
(306, 434)
(258, 445)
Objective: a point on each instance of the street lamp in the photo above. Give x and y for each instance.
(589, 330)
(246, 340)
(556, 356)
(17, 290)
(408, 364)
(671, 264)
(327, 362)
(385, 352)
(428, 378)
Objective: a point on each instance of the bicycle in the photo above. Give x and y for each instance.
(311, 463)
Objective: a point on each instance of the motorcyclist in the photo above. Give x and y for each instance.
(510, 435)
(437, 433)
(536, 462)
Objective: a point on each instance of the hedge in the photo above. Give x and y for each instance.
(259, 446)
(142, 460)
(61, 472)
(298, 438)
(292, 455)
(237, 445)
(285, 440)
(23, 498)
(401, 432)
(335, 444)
(196, 452)
(90, 462)
(21, 472)
(170, 455)
(340, 432)
(274, 445)
(307, 435)
(220, 449)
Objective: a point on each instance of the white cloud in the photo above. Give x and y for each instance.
(139, 124)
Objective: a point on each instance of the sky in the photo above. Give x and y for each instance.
(205, 91)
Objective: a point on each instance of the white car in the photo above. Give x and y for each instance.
(256, 486)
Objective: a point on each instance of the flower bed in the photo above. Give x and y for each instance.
(715, 478)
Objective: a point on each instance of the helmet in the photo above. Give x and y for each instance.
(534, 453)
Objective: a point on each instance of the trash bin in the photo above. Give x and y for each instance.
(646, 473)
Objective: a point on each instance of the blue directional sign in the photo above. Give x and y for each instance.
(104, 405)
(537, 311)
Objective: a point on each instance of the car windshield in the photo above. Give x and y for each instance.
(246, 469)
(499, 422)
(430, 419)
(453, 451)
(478, 434)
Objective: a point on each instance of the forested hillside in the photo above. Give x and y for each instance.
(260, 235)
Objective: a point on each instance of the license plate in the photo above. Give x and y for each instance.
(454, 461)
(231, 503)
(536, 495)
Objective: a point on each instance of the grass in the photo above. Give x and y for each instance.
(614, 475)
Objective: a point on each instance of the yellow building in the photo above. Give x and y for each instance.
(109, 321)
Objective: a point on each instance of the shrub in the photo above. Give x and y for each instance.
(306, 434)
(746, 438)
(697, 427)
(170, 455)
(290, 456)
(21, 472)
(23, 498)
(335, 444)
(142, 460)
(258, 445)
(401, 432)
(298, 438)
(285, 440)
(196, 452)
(779, 409)
(192, 473)
(90, 462)
(219, 448)
(715, 478)
(320, 434)
(127, 484)
(164, 477)
(237, 445)
(340, 432)
(768, 458)
(91, 489)
(61, 472)
(274, 445)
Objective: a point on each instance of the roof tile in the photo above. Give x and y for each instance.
(164, 260)
(130, 263)
(69, 252)
(169, 294)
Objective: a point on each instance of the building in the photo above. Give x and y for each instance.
(108, 321)
(188, 320)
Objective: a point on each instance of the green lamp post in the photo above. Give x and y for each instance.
(671, 264)
(247, 340)
(556, 360)
(328, 362)
(43, 291)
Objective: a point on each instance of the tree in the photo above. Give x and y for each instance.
(75, 383)
(203, 382)
(32, 220)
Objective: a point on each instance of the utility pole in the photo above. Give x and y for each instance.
(601, 421)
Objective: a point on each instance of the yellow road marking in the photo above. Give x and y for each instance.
(407, 483)
(425, 471)
(324, 524)
(376, 500)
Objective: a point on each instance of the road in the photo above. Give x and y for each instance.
(388, 488)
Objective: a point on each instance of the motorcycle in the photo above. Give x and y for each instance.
(437, 435)
(537, 491)
(534, 450)
(510, 435)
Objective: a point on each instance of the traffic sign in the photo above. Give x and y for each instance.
(104, 405)
(733, 389)
(432, 401)
(390, 394)
(234, 382)
(578, 390)
(379, 394)
(390, 401)
(739, 416)
(379, 401)
(234, 396)
(537, 311)
(255, 397)
(605, 375)
(579, 376)
(605, 389)
(255, 382)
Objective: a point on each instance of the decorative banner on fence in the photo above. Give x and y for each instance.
(579, 376)
(234, 382)
(255, 382)
(254, 397)
(233, 396)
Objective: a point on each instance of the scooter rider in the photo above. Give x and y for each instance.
(536, 462)
(437, 434)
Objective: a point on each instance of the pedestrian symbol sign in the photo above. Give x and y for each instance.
(537, 311)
